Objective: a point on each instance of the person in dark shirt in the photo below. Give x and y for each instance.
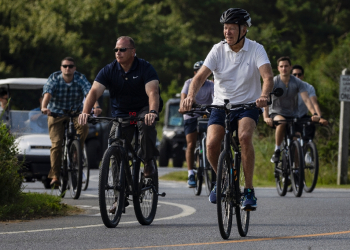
(134, 87)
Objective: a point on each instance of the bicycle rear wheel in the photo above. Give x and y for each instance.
(111, 187)
(86, 171)
(145, 196)
(224, 195)
(297, 168)
(75, 169)
(198, 172)
(281, 175)
(311, 166)
(242, 216)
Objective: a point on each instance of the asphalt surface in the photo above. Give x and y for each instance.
(318, 220)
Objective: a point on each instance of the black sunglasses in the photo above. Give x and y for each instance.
(69, 66)
(121, 49)
(297, 74)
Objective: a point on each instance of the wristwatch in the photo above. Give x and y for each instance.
(153, 111)
(315, 114)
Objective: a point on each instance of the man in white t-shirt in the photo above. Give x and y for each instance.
(237, 64)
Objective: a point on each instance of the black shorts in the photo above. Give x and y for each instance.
(190, 126)
(273, 115)
(309, 129)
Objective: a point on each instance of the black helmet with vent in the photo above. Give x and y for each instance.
(197, 65)
(236, 16)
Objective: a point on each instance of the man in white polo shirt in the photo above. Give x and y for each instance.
(237, 64)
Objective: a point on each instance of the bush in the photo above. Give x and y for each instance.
(11, 180)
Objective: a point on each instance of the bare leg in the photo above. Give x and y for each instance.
(191, 140)
(246, 128)
(215, 135)
(279, 130)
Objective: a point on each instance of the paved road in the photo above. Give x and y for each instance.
(320, 220)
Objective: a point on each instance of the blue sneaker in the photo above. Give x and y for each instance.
(249, 200)
(212, 195)
(191, 181)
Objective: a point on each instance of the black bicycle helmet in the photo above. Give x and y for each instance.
(237, 16)
(197, 65)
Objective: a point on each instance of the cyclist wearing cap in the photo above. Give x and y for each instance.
(204, 96)
(237, 64)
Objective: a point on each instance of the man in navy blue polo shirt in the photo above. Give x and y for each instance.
(134, 87)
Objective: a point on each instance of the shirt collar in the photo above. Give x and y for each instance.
(245, 46)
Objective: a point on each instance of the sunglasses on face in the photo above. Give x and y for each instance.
(69, 66)
(297, 74)
(121, 49)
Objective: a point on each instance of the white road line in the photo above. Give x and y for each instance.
(186, 211)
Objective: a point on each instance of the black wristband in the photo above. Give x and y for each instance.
(153, 111)
(315, 114)
(98, 107)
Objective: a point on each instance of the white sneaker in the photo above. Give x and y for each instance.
(84, 178)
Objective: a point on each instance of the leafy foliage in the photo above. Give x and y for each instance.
(10, 185)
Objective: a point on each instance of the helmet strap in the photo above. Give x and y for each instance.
(239, 34)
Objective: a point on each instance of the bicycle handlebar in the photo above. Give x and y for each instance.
(95, 120)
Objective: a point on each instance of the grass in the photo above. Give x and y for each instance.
(34, 206)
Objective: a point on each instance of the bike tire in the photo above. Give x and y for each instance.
(311, 166)
(86, 170)
(281, 175)
(242, 216)
(62, 189)
(145, 198)
(296, 168)
(224, 195)
(111, 186)
(198, 173)
(75, 169)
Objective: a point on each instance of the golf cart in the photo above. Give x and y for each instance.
(173, 141)
(32, 135)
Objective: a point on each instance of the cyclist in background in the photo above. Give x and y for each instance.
(237, 64)
(286, 106)
(64, 90)
(204, 96)
(298, 72)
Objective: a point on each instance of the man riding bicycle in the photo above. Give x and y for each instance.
(237, 64)
(134, 87)
(64, 90)
(204, 96)
(298, 72)
(286, 106)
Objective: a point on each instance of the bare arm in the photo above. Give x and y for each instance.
(45, 102)
(95, 92)
(183, 96)
(152, 90)
(267, 77)
(318, 110)
(196, 83)
(305, 96)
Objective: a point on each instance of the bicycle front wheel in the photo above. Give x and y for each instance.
(86, 171)
(61, 190)
(75, 169)
(198, 173)
(281, 175)
(310, 167)
(111, 187)
(242, 216)
(224, 195)
(145, 196)
(297, 168)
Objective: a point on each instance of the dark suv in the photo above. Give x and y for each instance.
(173, 142)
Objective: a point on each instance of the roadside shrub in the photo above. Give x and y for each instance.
(10, 179)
